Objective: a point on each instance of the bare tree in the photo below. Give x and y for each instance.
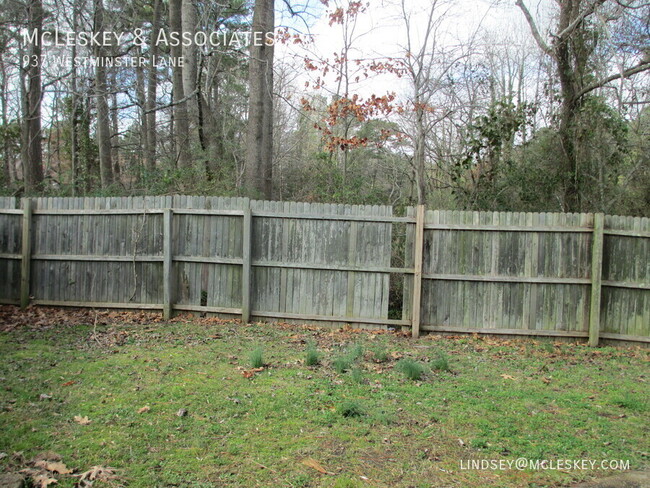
(32, 135)
(181, 123)
(572, 46)
(259, 141)
(101, 101)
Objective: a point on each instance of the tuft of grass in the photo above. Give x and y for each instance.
(355, 352)
(440, 362)
(630, 402)
(342, 364)
(379, 354)
(357, 375)
(345, 482)
(351, 408)
(256, 358)
(312, 356)
(411, 369)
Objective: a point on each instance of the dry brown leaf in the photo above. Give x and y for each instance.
(507, 377)
(69, 383)
(53, 467)
(82, 420)
(251, 372)
(98, 473)
(144, 409)
(47, 456)
(312, 463)
(546, 380)
(42, 481)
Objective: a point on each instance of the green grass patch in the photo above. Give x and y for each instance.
(351, 408)
(413, 370)
(256, 358)
(312, 356)
(504, 400)
(440, 362)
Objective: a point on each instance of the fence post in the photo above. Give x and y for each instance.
(418, 244)
(167, 263)
(246, 264)
(25, 264)
(596, 278)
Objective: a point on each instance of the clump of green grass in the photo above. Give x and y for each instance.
(355, 352)
(342, 364)
(547, 347)
(630, 402)
(256, 358)
(351, 408)
(345, 361)
(312, 356)
(440, 362)
(411, 369)
(357, 375)
(379, 354)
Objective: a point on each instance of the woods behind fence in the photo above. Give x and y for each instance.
(542, 274)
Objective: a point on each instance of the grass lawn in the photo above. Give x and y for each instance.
(111, 394)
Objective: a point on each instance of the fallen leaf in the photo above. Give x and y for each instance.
(144, 409)
(42, 481)
(45, 396)
(461, 442)
(47, 456)
(312, 463)
(98, 473)
(507, 377)
(546, 380)
(69, 383)
(53, 467)
(249, 373)
(182, 412)
(82, 420)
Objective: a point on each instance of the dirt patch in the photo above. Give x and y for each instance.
(632, 479)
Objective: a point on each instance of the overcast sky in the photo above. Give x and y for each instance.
(380, 32)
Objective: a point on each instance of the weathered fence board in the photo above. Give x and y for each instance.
(626, 276)
(10, 251)
(485, 272)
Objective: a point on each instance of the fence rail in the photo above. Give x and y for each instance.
(569, 275)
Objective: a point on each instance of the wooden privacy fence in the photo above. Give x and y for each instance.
(571, 275)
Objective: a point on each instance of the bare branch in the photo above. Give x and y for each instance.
(533, 27)
(576, 22)
(642, 66)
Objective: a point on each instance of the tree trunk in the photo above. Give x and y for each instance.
(259, 150)
(152, 82)
(568, 112)
(101, 97)
(144, 119)
(181, 129)
(33, 154)
(74, 109)
(6, 166)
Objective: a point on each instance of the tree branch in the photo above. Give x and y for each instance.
(576, 22)
(533, 28)
(642, 66)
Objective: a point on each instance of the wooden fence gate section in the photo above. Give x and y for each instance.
(538, 274)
